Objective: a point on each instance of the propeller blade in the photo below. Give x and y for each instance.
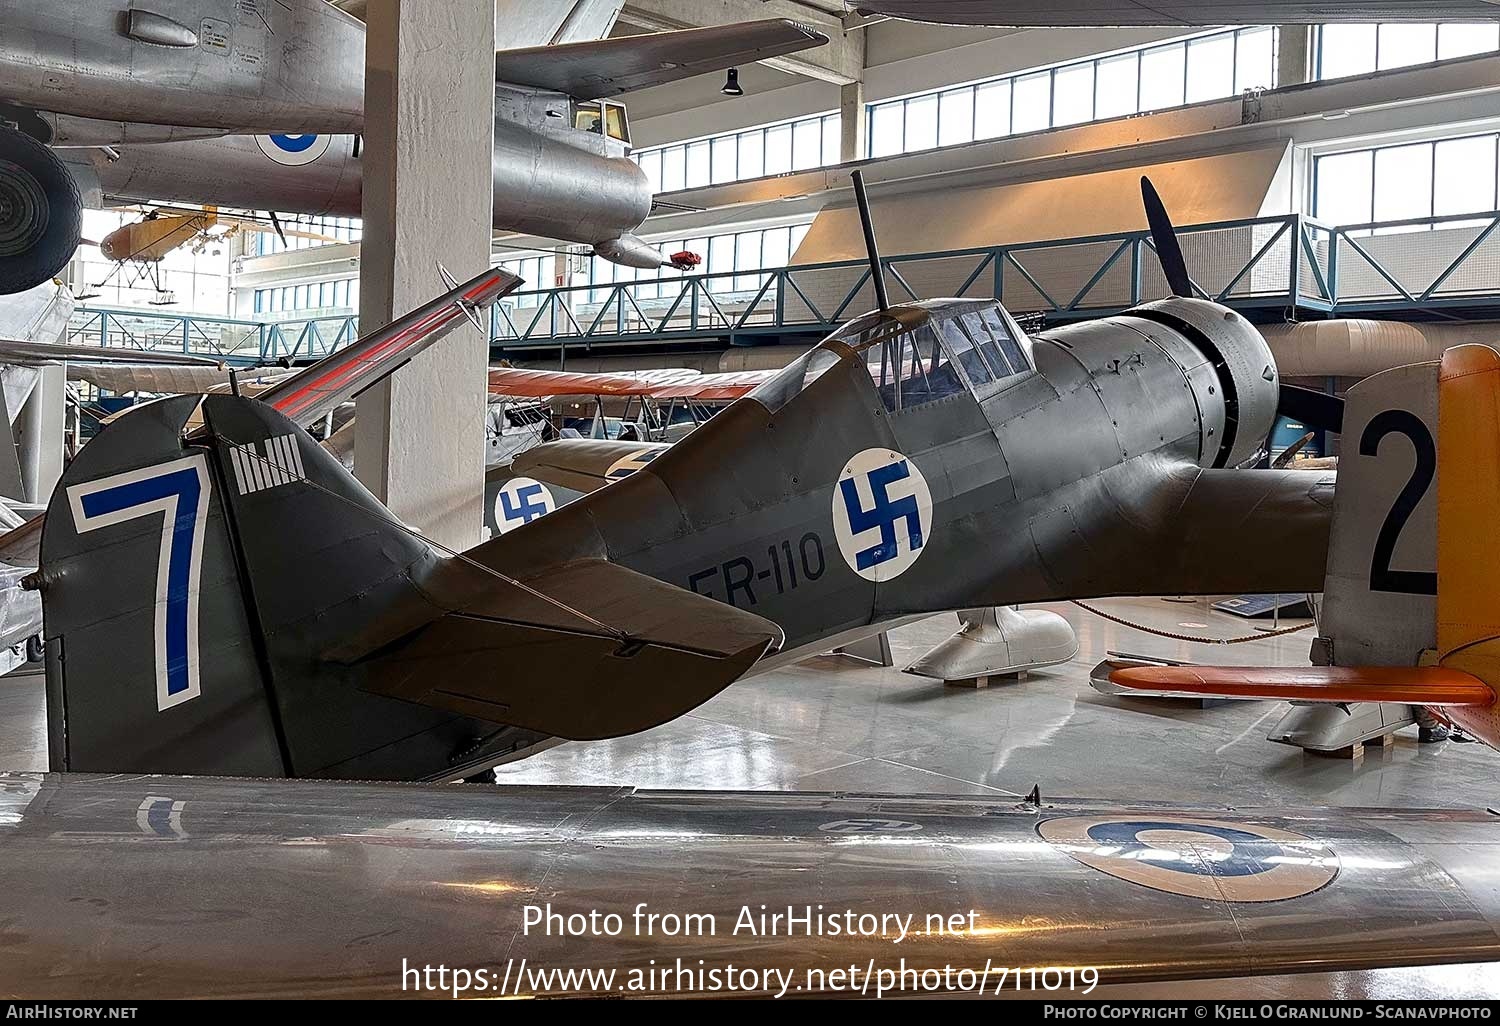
(1314, 409)
(1287, 458)
(1164, 238)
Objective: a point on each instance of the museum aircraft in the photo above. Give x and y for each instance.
(257, 105)
(1410, 614)
(1126, 13)
(925, 457)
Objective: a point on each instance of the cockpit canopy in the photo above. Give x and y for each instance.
(918, 353)
(602, 117)
(923, 352)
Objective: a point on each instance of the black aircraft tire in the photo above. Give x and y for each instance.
(41, 213)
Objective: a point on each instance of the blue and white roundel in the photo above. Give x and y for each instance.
(294, 150)
(1198, 858)
(882, 514)
(520, 501)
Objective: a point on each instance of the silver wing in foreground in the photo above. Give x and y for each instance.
(444, 874)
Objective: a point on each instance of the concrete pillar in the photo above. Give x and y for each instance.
(1294, 55)
(852, 121)
(428, 144)
(39, 434)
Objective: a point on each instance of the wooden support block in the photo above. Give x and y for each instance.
(977, 683)
(1383, 741)
(1353, 753)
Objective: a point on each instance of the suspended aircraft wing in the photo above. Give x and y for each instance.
(608, 67)
(672, 383)
(32, 354)
(123, 378)
(1124, 13)
(585, 464)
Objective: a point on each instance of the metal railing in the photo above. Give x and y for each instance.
(234, 341)
(1448, 266)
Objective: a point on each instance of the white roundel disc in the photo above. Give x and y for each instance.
(294, 150)
(1215, 859)
(520, 501)
(882, 514)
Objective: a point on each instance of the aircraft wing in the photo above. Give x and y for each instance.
(671, 383)
(32, 354)
(1125, 13)
(313, 393)
(1243, 531)
(582, 651)
(1407, 685)
(585, 464)
(1139, 891)
(608, 67)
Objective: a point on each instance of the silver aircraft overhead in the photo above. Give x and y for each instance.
(1125, 13)
(257, 104)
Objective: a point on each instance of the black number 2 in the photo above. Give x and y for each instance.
(1382, 577)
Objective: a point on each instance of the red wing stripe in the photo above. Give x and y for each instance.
(1411, 685)
(340, 373)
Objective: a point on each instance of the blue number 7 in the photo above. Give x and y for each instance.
(180, 492)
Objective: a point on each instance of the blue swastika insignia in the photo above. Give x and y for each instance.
(882, 514)
(525, 505)
(520, 501)
(885, 514)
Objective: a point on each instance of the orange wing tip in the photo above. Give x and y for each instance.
(1402, 684)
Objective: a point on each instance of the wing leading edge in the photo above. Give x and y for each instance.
(1434, 686)
(1135, 13)
(607, 67)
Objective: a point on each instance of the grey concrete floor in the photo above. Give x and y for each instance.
(831, 724)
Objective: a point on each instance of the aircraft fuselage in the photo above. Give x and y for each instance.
(1073, 477)
(231, 65)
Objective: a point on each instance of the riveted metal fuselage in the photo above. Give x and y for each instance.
(1066, 481)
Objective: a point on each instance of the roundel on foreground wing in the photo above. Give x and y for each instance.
(294, 150)
(882, 514)
(1195, 857)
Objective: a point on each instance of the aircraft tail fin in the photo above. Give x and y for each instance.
(230, 600)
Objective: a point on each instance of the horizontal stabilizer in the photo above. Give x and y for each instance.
(1401, 684)
(585, 464)
(608, 67)
(607, 652)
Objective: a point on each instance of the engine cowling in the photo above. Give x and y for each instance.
(1243, 363)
